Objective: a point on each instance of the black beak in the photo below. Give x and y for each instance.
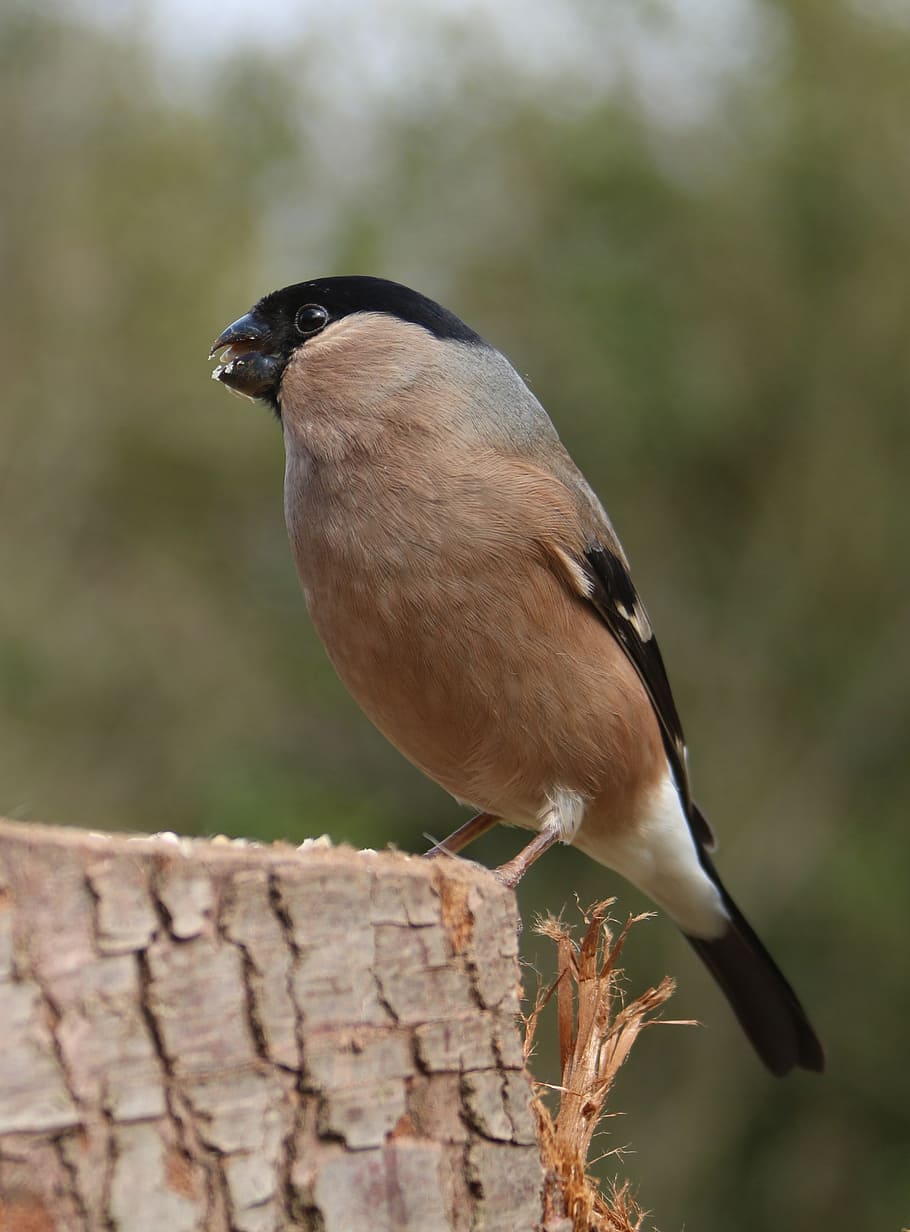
(251, 366)
(247, 333)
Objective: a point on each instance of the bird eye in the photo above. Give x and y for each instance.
(311, 318)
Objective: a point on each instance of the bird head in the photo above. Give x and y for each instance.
(255, 349)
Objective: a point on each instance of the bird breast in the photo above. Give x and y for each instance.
(436, 589)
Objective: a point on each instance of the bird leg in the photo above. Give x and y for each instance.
(464, 834)
(513, 870)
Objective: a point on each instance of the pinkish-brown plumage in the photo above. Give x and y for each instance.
(473, 596)
(396, 539)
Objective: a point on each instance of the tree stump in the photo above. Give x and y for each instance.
(216, 1037)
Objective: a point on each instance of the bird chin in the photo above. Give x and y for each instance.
(252, 375)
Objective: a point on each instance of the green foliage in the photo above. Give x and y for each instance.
(715, 311)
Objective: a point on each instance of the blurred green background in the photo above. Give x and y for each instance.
(689, 224)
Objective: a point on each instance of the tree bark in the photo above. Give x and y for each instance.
(231, 1038)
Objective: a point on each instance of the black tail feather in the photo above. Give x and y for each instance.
(761, 998)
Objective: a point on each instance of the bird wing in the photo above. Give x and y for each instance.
(610, 591)
(582, 545)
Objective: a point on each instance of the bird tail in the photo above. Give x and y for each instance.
(759, 994)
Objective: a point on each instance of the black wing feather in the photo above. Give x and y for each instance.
(616, 601)
(759, 994)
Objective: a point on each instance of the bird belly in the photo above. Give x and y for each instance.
(482, 668)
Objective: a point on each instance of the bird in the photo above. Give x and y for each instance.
(474, 598)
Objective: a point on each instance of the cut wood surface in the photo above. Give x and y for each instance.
(203, 1035)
